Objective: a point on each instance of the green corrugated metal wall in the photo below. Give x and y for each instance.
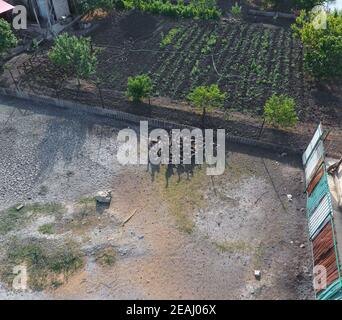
(318, 193)
(333, 292)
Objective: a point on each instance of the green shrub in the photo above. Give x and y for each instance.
(236, 10)
(107, 5)
(7, 38)
(322, 46)
(268, 3)
(280, 111)
(201, 9)
(74, 54)
(139, 87)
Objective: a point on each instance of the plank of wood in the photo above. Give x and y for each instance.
(129, 218)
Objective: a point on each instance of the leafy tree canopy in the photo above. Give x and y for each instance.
(139, 87)
(322, 42)
(7, 38)
(76, 54)
(280, 111)
(208, 97)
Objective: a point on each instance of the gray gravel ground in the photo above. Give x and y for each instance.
(50, 155)
(44, 152)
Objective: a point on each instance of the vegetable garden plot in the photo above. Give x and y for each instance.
(250, 62)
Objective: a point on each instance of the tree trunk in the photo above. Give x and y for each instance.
(14, 81)
(203, 117)
(261, 129)
(101, 97)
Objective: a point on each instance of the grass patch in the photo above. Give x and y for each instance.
(48, 264)
(233, 246)
(48, 228)
(106, 256)
(183, 196)
(11, 219)
(84, 216)
(259, 255)
(86, 207)
(87, 201)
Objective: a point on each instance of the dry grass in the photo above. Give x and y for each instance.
(86, 207)
(183, 197)
(237, 246)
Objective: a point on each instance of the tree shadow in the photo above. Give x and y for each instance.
(173, 169)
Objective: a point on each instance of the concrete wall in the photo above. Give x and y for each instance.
(128, 117)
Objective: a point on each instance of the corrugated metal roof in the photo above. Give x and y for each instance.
(317, 136)
(313, 163)
(332, 292)
(321, 189)
(320, 215)
(316, 179)
(324, 253)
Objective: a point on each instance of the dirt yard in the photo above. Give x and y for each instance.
(197, 238)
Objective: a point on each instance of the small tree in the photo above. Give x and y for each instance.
(139, 87)
(74, 54)
(7, 38)
(280, 111)
(207, 98)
